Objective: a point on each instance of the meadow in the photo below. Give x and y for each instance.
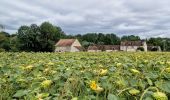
(85, 76)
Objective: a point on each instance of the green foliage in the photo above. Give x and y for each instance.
(100, 38)
(39, 38)
(154, 49)
(164, 43)
(43, 38)
(140, 48)
(84, 76)
(130, 38)
(5, 41)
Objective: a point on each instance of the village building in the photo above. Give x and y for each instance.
(124, 46)
(73, 45)
(107, 48)
(68, 45)
(110, 48)
(93, 49)
(133, 45)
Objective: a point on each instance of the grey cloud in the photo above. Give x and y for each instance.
(146, 18)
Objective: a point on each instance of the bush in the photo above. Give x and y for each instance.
(140, 49)
(2, 50)
(154, 49)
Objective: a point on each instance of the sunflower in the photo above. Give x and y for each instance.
(93, 85)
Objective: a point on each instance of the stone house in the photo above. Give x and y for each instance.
(68, 45)
(110, 48)
(94, 49)
(133, 45)
(107, 48)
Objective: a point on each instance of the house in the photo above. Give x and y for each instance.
(110, 48)
(133, 45)
(93, 49)
(107, 48)
(68, 45)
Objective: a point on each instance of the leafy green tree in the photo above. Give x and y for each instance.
(50, 35)
(111, 39)
(130, 38)
(39, 38)
(4, 41)
(26, 38)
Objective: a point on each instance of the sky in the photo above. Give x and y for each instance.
(145, 18)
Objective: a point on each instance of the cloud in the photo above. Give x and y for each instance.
(146, 18)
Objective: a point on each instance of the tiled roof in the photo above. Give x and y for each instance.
(132, 43)
(104, 47)
(112, 47)
(65, 42)
(79, 48)
(92, 48)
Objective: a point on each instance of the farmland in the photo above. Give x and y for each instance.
(85, 76)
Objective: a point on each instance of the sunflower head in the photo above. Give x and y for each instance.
(93, 85)
(160, 96)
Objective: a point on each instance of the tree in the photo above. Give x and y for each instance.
(50, 35)
(27, 38)
(130, 38)
(4, 41)
(39, 38)
(111, 39)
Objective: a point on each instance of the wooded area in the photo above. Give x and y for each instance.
(42, 38)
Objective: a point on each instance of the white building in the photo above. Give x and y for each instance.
(68, 45)
(133, 45)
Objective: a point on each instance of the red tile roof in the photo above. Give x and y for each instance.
(104, 47)
(79, 48)
(132, 43)
(92, 48)
(65, 42)
(111, 47)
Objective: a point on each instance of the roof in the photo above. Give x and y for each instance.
(80, 48)
(104, 47)
(92, 48)
(112, 47)
(132, 43)
(65, 42)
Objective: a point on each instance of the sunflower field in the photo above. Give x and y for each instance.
(85, 76)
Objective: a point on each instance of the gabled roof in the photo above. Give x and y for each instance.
(111, 47)
(104, 47)
(132, 43)
(65, 42)
(92, 48)
(80, 48)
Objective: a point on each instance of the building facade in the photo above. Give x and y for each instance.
(107, 48)
(133, 45)
(68, 45)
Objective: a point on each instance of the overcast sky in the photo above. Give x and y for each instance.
(146, 18)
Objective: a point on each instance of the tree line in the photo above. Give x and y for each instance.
(43, 38)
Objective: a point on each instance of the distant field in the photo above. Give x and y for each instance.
(85, 76)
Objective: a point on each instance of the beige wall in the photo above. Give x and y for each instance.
(129, 48)
(94, 50)
(63, 49)
(109, 50)
(145, 46)
(74, 49)
(76, 43)
(69, 48)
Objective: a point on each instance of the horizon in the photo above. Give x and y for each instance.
(140, 18)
